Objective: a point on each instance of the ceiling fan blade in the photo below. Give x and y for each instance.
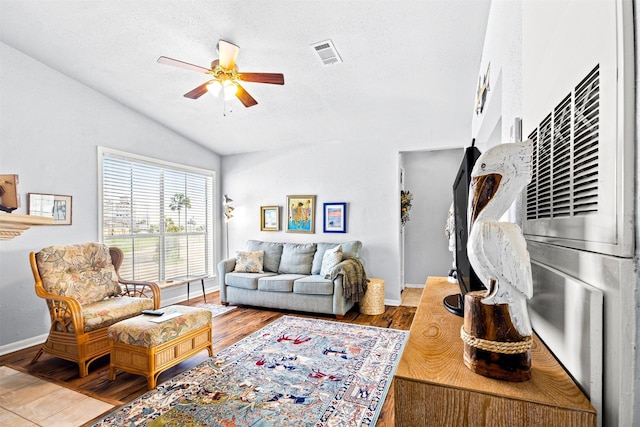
(182, 64)
(197, 92)
(272, 78)
(228, 53)
(244, 97)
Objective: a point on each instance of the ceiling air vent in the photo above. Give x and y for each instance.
(327, 52)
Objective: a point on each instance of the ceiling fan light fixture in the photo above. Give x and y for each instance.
(224, 76)
(214, 88)
(229, 88)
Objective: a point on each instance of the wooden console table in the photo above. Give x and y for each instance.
(433, 387)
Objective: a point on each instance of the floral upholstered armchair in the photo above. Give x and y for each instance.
(85, 295)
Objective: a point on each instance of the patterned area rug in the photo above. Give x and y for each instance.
(292, 372)
(216, 309)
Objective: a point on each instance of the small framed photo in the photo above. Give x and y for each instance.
(301, 214)
(335, 218)
(269, 218)
(54, 206)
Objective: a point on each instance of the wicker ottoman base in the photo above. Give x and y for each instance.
(373, 301)
(152, 361)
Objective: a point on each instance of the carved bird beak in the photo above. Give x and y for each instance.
(484, 188)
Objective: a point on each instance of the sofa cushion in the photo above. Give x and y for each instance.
(313, 285)
(330, 259)
(279, 283)
(245, 280)
(84, 272)
(297, 258)
(249, 262)
(349, 250)
(272, 253)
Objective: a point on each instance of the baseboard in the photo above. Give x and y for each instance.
(412, 285)
(20, 345)
(392, 302)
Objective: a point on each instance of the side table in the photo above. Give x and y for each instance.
(373, 301)
(181, 281)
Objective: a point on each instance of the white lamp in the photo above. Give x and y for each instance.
(226, 202)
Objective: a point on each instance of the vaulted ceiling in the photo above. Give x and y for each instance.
(409, 70)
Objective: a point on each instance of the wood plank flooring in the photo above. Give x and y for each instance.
(227, 329)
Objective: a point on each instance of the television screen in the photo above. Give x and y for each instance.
(465, 275)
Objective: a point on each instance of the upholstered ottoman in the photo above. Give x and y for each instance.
(142, 346)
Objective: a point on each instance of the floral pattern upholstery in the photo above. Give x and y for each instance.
(249, 262)
(84, 272)
(106, 313)
(140, 331)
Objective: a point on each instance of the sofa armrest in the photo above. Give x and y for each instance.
(225, 266)
(340, 304)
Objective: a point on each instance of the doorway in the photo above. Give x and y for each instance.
(424, 249)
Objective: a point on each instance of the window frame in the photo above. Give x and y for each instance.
(123, 155)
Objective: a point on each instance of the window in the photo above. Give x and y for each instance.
(160, 215)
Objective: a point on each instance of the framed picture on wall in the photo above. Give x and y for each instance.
(54, 206)
(9, 197)
(301, 214)
(269, 218)
(335, 218)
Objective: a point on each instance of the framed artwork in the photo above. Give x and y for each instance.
(301, 214)
(9, 197)
(335, 218)
(55, 206)
(269, 218)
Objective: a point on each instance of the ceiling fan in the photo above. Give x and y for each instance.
(224, 71)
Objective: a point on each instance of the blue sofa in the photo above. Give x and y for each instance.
(289, 279)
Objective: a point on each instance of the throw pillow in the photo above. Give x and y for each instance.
(330, 259)
(349, 250)
(317, 258)
(249, 262)
(272, 253)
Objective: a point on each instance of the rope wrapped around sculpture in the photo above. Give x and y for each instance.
(504, 347)
(354, 278)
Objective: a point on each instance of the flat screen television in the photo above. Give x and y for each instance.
(466, 277)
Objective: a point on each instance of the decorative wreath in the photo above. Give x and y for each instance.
(405, 206)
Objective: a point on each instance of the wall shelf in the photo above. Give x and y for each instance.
(12, 225)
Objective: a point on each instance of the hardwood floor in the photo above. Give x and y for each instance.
(227, 329)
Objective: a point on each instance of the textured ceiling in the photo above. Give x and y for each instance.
(410, 68)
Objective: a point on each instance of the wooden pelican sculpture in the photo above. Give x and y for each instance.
(497, 250)
(498, 253)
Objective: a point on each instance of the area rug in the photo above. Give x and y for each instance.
(293, 372)
(216, 309)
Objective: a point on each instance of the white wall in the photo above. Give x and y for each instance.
(502, 54)
(429, 177)
(51, 127)
(503, 49)
(365, 178)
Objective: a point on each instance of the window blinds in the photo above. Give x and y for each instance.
(160, 216)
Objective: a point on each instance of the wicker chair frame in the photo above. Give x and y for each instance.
(74, 344)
